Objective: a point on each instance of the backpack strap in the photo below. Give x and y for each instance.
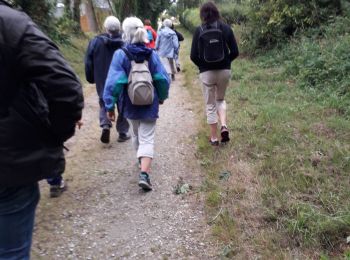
(127, 53)
(131, 57)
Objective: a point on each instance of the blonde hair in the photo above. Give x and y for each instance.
(133, 31)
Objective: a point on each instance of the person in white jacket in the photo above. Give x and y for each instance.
(167, 47)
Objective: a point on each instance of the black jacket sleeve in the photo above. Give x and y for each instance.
(231, 43)
(194, 48)
(41, 63)
(89, 62)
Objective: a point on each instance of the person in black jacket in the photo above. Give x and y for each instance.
(98, 57)
(213, 49)
(41, 101)
(180, 38)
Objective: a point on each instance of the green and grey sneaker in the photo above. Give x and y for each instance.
(145, 182)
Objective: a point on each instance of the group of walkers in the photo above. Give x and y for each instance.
(41, 101)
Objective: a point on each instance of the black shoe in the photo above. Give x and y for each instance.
(225, 136)
(172, 77)
(105, 135)
(123, 138)
(57, 190)
(145, 182)
(178, 69)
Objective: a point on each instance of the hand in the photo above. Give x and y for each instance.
(161, 102)
(111, 115)
(79, 124)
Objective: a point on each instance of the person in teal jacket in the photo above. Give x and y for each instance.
(142, 119)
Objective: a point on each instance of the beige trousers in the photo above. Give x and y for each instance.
(169, 65)
(214, 84)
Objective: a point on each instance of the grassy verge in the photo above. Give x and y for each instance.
(280, 189)
(74, 53)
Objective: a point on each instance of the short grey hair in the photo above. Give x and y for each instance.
(111, 24)
(167, 23)
(133, 31)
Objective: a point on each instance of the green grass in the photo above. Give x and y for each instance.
(298, 146)
(74, 53)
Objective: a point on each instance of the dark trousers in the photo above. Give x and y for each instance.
(122, 124)
(17, 212)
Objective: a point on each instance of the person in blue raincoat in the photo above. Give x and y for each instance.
(167, 46)
(142, 119)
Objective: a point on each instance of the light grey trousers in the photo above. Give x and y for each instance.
(142, 133)
(214, 84)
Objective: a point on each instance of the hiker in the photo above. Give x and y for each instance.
(97, 60)
(167, 47)
(180, 38)
(40, 102)
(213, 49)
(142, 118)
(152, 35)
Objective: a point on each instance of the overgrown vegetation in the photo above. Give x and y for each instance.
(74, 53)
(289, 119)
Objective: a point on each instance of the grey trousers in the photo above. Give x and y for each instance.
(142, 133)
(122, 124)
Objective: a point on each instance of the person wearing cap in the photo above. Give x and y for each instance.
(167, 47)
(97, 60)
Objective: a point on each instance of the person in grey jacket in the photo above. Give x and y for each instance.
(41, 101)
(167, 47)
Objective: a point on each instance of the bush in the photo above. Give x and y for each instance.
(319, 62)
(234, 14)
(190, 19)
(276, 21)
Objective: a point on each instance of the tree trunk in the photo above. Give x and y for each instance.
(76, 15)
(111, 7)
(91, 16)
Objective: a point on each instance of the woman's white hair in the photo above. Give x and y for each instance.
(167, 23)
(133, 31)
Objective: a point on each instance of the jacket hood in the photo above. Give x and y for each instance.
(114, 42)
(139, 51)
(167, 32)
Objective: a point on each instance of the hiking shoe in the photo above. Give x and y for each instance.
(123, 137)
(172, 77)
(145, 182)
(225, 137)
(178, 68)
(57, 190)
(105, 135)
(214, 143)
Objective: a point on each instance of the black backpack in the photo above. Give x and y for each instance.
(211, 43)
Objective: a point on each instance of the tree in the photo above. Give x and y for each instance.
(76, 16)
(91, 16)
(143, 9)
(40, 11)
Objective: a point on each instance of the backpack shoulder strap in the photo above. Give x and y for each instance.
(127, 53)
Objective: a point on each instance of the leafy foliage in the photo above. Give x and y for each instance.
(272, 21)
(142, 9)
(320, 63)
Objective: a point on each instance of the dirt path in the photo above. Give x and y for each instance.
(104, 215)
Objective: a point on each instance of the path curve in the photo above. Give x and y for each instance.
(104, 215)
